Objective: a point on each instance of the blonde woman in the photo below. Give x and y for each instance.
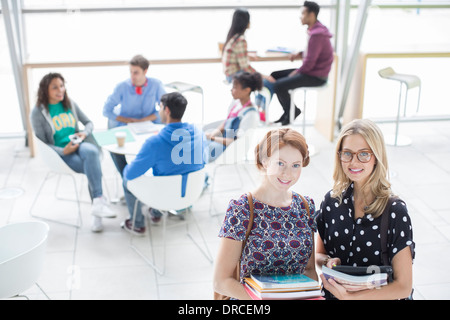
(350, 215)
(282, 237)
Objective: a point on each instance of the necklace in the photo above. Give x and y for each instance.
(366, 206)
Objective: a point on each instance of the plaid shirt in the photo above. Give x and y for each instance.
(234, 57)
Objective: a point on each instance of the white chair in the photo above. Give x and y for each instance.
(57, 167)
(410, 82)
(235, 153)
(22, 253)
(164, 193)
(183, 87)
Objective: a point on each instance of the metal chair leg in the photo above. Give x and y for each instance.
(418, 99)
(79, 221)
(292, 107)
(206, 252)
(152, 262)
(397, 122)
(211, 205)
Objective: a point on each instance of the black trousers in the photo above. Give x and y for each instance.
(284, 83)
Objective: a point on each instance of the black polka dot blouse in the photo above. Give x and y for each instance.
(357, 242)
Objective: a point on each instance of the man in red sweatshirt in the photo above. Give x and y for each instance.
(317, 60)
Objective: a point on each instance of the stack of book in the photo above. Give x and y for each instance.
(282, 287)
(356, 282)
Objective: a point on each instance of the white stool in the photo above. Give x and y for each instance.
(410, 81)
(312, 149)
(183, 87)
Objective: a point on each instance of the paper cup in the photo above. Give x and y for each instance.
(120, 136)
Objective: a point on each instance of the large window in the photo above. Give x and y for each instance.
(10, 121)
(407, 30)
(78, 30)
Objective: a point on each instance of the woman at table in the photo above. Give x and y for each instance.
(350, 216)
(235, 57)
(281, 240)
(54, 119)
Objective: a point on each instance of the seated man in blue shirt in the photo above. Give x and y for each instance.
(164, 154)
(137, 98)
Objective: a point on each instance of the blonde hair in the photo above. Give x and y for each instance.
(378, 182)
(275, 140)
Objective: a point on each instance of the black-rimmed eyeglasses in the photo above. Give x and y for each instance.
(363, 156)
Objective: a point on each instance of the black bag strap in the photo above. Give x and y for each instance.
(250, 221)
(306, 204)
(384, 231)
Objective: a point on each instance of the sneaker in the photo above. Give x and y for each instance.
(97, 225)
(154, 215)
(100, 208)
(128, 226)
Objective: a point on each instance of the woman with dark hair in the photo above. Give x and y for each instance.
(55, 121)
(235, 57)
(242, 115)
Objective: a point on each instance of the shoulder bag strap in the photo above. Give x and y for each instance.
(249, 229)
(250, 221)
(384, 231)
(306, 204)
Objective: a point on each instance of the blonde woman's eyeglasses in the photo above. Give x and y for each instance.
(362, 156)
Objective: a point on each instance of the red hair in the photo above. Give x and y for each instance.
(277, 139)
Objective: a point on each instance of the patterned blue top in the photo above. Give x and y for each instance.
(281, 240)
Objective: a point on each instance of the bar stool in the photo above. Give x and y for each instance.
(312, 149)
(410, 82)
(184, 87)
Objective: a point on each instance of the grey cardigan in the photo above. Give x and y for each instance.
(44, 129)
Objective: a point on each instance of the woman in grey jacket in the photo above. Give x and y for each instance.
(55, 121)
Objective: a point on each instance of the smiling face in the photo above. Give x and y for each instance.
(357, 171)
(284, 167)
(56, 91)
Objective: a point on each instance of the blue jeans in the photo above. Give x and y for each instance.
(87, 160)
(120, 161)
(215, 150)
(131, 200)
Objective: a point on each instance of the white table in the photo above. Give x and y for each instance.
(132, 148)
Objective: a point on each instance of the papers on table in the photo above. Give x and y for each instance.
(143, 127)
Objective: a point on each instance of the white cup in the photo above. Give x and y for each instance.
(120, 136)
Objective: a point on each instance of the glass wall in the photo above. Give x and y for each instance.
(10, 121)
(68, 34)
(166, 34)
(407, 31)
